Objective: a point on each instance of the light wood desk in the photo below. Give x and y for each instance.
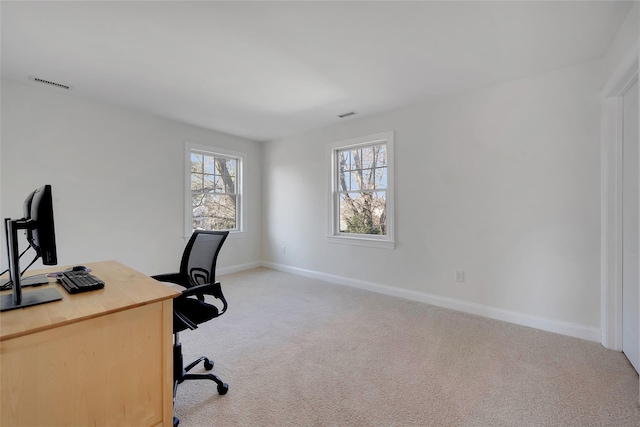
(98, 358)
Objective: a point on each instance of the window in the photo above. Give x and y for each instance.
(361, 206)
(213, 189)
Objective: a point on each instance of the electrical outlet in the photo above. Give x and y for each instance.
(459, 275)
(284, 250)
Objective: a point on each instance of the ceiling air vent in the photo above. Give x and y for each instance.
(50, 83)
(350, 113)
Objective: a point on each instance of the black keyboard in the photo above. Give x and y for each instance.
(79, 281)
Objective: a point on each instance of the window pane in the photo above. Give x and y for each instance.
(354, 181)
(197, 201)
(356, 160)
(232, 166)
(209, 164)
(363, 213)
(196, 182)
(381, 159)
(207, 185)
(343, 160)
(226, 170)
(368, 179)
(214, 212)
(367, 157)
(343, 181)
(347, 157)
(196, 162)
(381, 178)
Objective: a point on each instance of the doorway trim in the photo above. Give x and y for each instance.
(611, 200)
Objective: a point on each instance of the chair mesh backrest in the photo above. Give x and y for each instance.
(200, 255)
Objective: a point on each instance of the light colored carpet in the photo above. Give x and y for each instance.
(302, 352)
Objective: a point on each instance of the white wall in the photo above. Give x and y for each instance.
(501, 182)
(117, 178)
(625, 41)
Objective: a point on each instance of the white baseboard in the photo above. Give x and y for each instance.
(558, 327)
(236, 268)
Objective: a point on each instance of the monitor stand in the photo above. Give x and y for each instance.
(30, 298)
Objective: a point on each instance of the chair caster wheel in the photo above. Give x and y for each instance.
(223, 389)
(208, 364)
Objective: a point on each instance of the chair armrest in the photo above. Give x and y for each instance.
(185, 321)
(170, 277)
(213, 289)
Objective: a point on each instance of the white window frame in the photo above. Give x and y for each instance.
(334, 235)
(190, 147)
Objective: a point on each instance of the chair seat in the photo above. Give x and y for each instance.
(195, 310)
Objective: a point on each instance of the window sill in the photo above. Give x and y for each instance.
(359, 241)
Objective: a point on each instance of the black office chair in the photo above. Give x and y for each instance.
(197, 275)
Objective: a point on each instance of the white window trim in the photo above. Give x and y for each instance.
(210, 150)
(333, 235)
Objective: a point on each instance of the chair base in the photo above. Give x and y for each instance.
(180, 374)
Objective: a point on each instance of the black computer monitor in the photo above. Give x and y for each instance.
(38, 210)
(40, 231)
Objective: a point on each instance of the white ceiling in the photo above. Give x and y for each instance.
(264, 70)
